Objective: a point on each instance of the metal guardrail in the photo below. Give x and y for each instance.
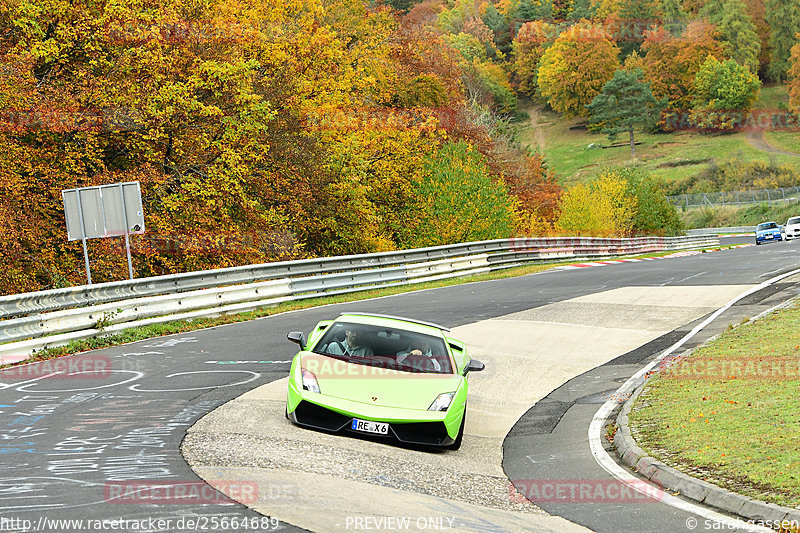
(56, 317)
(735, 229)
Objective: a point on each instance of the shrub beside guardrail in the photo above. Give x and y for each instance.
(56, 317)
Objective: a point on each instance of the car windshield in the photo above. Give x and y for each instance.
(385, 347)
(767, 225)
(793, 220)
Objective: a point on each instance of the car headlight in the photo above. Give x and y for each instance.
(309, 381)
(442, 402)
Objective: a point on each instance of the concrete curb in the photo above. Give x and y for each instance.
(695, 489)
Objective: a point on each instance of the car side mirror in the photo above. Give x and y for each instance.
(298, 337)
(474, 366)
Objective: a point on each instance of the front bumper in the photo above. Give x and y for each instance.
(765, 238)
(334, 415)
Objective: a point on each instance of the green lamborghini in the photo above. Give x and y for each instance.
(381, 375)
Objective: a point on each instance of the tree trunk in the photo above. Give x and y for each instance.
(633, 144)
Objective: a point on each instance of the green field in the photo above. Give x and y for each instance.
(716, 217)
(575, 155)
(772, 96)
(784, 140)
(728, 412)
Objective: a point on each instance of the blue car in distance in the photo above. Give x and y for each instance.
(768, 232)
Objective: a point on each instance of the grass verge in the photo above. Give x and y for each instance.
(728, 413)
(719, 216)
(785, 140)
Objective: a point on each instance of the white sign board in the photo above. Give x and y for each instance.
(103, 211)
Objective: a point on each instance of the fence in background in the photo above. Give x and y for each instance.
(734, 198)
(37, 320)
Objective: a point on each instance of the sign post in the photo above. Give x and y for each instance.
(104, 211)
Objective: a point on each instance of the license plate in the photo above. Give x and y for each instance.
(767, 236)
(366, 426)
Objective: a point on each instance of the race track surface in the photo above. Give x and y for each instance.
(100, 440)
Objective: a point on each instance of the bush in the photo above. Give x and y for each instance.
(735, 174)
(724, 93)
(457, 201)
(620, 203)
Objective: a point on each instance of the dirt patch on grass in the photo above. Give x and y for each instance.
(684, 162)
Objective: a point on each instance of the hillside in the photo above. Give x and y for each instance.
(576, 155)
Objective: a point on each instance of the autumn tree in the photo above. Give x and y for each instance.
(232, 116)
(794, 78)
(784, 21)
(671, 63)
(724, 92)
(529, 45)
(575, 68)
(605, 207)
(654, 214)
(625, 103)
(619, 202)
(456, 201)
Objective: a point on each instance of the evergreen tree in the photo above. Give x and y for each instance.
(498, 24)
(624, 103)
(401, 5)
(535, 9)
(582, 9)
(635, 17)
(673, 16)
(738, 34)
(713, 11)
(784, 20)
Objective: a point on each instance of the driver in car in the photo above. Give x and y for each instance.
(351, 345)
(419, 356)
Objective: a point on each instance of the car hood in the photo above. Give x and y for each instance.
(770, 230)
(378, 386)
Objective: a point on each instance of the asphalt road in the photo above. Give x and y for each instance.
(99, 440)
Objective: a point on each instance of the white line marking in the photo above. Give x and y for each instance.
(609, 465)
(684, 279)
(134, 378)
(253, 376)
(4, 386)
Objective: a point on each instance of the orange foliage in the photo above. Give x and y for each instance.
(671, 63)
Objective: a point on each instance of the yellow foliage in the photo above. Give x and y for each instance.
(532, 224)
(605, 208)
